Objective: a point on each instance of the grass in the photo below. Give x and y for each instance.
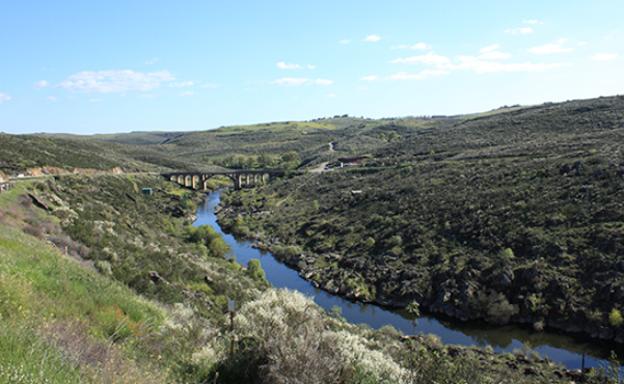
(25, 359)
(48, 299)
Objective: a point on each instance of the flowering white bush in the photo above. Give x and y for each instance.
(205, 356)
(293, 333)
(354, 351)
(180, 316)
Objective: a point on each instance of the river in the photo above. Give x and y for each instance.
(560, 348)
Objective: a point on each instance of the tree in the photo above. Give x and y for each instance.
(207, 235)
(255, 271)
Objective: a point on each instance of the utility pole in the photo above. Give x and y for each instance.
(232, 311)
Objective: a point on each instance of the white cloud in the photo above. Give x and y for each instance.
(604, 56)
(372, 39)
(183, 84)
(116, 81)
(481, 66)
(413, 47)
(490, 48)
(52, 99)
(489, 60)
(42, 84)
(369, 78)
(424, 74)
(551, 48)
(187, 93)
(428, 58)
(331, 95)
(4, 98)
(520, 31)
(323, 82)
(293, 66)
(152, 61)
(298, 81)
(287, 66)
(492, 52)
(533, 22)
(344, 41)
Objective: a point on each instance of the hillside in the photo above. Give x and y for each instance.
(101, 283)
(514, 216)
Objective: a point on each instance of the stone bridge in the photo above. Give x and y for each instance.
(241, 178)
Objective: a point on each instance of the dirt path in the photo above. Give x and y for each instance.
(319, 168)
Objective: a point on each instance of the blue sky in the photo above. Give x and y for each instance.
(115, 66)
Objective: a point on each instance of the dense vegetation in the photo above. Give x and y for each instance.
(516, 216)
(76, 252)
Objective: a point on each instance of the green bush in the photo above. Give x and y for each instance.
(255, 271)
(615, 318)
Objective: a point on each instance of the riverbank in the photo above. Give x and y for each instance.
(558, 347)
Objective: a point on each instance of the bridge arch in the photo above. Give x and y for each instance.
(241, 178)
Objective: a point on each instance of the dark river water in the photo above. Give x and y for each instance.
(560, 348)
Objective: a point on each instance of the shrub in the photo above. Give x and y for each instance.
(615, 318)
(209, 237)
(255, 271)
(290, 331)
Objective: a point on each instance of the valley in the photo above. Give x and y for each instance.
(499, 233)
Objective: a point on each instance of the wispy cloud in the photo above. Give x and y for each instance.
(42, 84)
(152, 61)
(604, 56)
(372, 39)
(187, 94)
(52, 99)
(4, 97)
(421, 75)
(533, 22)
(551, 48)
(414, 47)
(482, 66)
(429, 58)
(344, 41)
(298, 81)
(183, 84)
(293, 66)
(287, 66)
(492, 52)
(490, 59)
(116, 81)
(369, 78)
(519, 31)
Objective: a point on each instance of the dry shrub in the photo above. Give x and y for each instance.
(34, 230)
(73, 248)
(101, 361)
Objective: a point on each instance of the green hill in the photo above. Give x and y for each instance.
(515, 216)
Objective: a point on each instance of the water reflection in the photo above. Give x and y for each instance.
(563, 349)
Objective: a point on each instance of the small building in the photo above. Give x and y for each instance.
(147, 191)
